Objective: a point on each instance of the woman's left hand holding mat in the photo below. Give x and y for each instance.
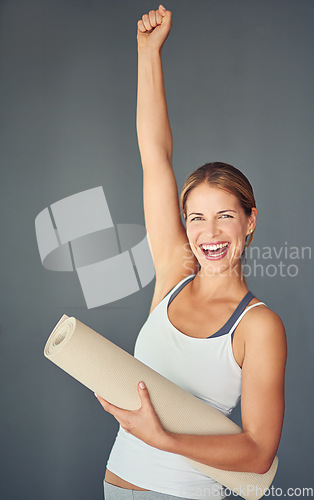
(142, 423)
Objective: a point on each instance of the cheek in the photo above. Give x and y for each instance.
(236, 231)
(191, 232)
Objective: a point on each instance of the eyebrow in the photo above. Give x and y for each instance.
(195, 213)
(220, 212)
(223, 211)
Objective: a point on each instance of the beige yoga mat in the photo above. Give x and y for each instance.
(114, 374)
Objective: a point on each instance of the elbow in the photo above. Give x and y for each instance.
(262, 468)
(261, 456)
(262, 464)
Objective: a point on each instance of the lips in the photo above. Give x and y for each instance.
(215, 251)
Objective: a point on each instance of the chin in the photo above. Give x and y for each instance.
(219, 268)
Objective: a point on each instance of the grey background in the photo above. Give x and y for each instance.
(239, 78)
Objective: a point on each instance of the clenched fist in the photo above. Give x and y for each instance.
(154, 27)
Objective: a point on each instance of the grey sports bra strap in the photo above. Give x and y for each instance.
(234, 316)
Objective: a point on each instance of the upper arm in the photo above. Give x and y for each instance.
(169, 245)
(263, 374)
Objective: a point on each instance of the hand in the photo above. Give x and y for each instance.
(154, 27)
(142, 423)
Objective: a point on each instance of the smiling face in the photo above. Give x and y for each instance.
(216, 227)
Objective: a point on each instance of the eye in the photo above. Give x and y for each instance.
(196, 218)
(226, 216)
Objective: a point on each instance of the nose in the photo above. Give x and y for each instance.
(212, 228)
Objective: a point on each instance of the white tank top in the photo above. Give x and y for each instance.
(206, 368)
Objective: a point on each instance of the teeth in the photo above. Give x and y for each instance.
(214, 247)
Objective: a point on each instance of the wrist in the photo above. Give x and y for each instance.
(169, 442)
(148, 51)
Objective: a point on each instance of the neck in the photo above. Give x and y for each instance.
(220, 284)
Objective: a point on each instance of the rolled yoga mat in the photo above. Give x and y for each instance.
(114, 375)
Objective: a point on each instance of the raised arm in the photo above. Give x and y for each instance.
(166, 232)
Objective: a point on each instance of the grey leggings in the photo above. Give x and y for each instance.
(116, 493)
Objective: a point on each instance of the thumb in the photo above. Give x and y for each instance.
(162, 10)
(143, 392)
(166, 14)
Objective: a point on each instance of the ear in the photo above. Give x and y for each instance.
(252, 221)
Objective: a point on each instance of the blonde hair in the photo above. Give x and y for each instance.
(225, 177)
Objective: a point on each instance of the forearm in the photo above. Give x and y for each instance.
(153, 127)
(236, 452)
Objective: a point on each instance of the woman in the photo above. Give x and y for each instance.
(209, 335)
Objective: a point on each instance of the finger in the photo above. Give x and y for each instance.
(152, 18)
(144, 394)
(141, 26)
(146, 22)
(110, 408)
(105, 404)
(158, 17)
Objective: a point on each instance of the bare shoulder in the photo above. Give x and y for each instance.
(263, 318)
(262, 314)
(263, 333)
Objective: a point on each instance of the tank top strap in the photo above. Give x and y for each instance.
(242, 314)
(177, 288)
